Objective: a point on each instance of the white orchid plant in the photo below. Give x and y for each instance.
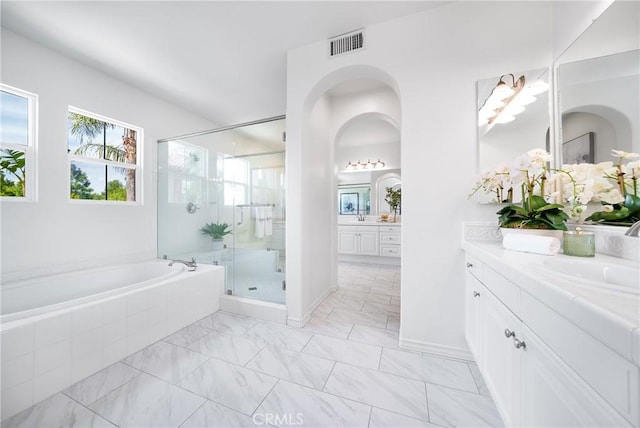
(550, 196)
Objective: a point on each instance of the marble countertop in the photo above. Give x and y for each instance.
(610, 316)
(366, 223)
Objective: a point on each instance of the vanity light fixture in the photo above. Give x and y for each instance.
(506, 101)
(368, 165)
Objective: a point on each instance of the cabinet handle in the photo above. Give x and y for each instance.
(475, 293)
(519, 343)
(469, 265)
(508, 333)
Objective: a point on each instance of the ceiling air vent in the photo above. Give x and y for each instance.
(346, 43)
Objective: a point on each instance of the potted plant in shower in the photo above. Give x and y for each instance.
(216, 231)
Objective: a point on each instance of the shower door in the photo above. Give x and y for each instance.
(236, 177)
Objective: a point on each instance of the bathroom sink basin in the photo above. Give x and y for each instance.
(621, 277)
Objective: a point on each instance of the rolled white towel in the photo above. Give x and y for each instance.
(532, 244)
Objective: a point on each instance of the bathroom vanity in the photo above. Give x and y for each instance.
(556, 345)
(369, 238)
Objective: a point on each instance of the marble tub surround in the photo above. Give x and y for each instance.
(228, 370)
(610, 316)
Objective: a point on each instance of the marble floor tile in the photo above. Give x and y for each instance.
(322, 311)
(215, 415)
(146, 401)
(227, 323)
(393, 290)
(385, 419)
(386, 391)
(233, 386)
(381, 308)
(363, 288)
(440, 371)
(367, 297)
(228, 347)
(166, 361)
(294, 366)
(57, 411)
(393, 323)
(452, 408)
(328, 327)
(347, 316)
(187, 335)
(375, 336)
(482, 386)
(101, 383)
(358, 354)
(285, 337)
(344, 302)
(312, 408)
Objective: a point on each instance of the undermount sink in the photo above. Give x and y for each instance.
(620, 277)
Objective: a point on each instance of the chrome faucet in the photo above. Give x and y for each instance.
(361, 217)
(192, 265)
(633, 230)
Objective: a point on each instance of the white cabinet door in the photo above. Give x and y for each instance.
(347, 242)
(368, 242)
(554, 395)
(500, 361)
(474, 293)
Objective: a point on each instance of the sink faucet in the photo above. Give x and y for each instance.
(192, 265)
(361, 217)
(633, 230)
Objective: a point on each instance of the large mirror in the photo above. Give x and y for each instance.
(514, 122)
(598, 81)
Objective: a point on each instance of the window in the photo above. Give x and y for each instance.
(17, 143)
(187, 172)
(236, 179)
(103, 158)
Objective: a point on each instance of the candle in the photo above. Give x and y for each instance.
(579, 243)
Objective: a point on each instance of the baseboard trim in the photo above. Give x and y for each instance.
(437, 349)
(300, 322)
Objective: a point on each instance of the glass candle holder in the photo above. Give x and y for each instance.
(579, 243)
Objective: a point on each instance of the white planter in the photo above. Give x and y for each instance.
(218, 244)
(539, 232)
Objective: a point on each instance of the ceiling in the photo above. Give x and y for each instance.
(222, 60)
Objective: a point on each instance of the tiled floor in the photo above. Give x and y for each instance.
(343, 369)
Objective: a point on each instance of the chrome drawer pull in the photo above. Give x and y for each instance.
(475, 293)
(508, 333)
(469, 265)
(519, 343)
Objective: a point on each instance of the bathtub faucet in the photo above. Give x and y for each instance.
(192, 265)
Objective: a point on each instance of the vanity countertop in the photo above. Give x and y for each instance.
(366, 223)
(610, 316)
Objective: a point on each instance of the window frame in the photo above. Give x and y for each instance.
(139, 188)
(30, 150)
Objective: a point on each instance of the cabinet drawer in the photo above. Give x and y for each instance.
(389, 238)
(474, 267)
(347, 228)
(505, 290)
(394, 229)
(390, 250)
(612, 376)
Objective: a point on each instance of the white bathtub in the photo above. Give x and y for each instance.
(59, 329)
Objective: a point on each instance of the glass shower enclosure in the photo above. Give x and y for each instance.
(233, 176)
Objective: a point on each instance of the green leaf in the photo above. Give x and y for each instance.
(536, 202)
(632, 203)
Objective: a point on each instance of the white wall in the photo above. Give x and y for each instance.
(443, 52)
(54, 232)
